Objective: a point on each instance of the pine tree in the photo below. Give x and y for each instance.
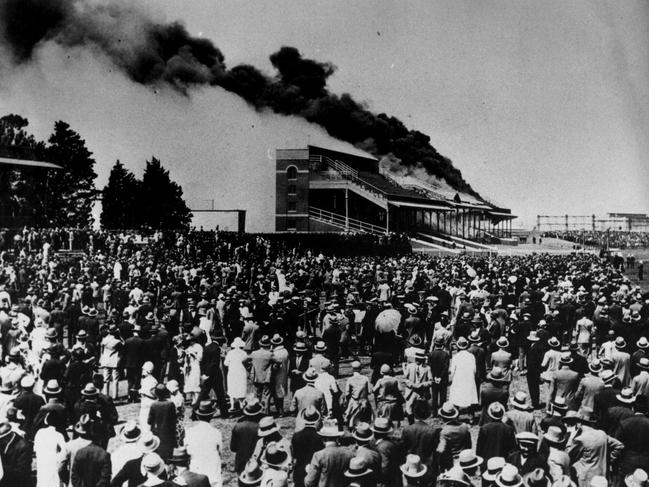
(120, 197)
(162, 204)
(73, 187)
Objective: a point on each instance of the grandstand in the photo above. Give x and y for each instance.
(321, 190)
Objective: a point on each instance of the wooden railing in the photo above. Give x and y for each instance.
(348, 224)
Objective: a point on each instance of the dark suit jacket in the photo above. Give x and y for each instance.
(162, 420)
(533, 462)
(304, 444)
(297, 382)
(132, 353)
(391, 460)
(421, 439)
(131, 472)
(495, 439)
(29, 404)
(192, 479)
(91, 467)
(633, 432)
(243, 441)
(489, 393)
(16, 455)
(602, 401)
(439, 361)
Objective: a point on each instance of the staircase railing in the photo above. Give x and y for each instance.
(342, 170)
(350, 224)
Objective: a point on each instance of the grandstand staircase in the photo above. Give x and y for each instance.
(339, 222)
(339, 175)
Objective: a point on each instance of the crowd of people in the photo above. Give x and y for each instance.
(615, 239)
(407, 370)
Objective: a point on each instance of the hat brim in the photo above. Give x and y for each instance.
(625, 400)
(455, 415)
(330, 433)
(351, 475)
(414, 475)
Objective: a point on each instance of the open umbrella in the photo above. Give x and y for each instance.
(388, 320)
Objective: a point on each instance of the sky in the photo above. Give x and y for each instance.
(543, 105)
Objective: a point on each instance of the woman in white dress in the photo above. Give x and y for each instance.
(463, 392)
(205, 444)
(147, 396)
(237, 378)
(193, 357)
(49, 447)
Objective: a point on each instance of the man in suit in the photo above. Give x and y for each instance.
(535, 353)
(29, 403)
(262, 360)
(299, 362)
(244, 434)
(421, 438)
(16, 457)
(363, 435)
(589, 386)
(327, 466)
(633, 433)
(564, 381)
(389, 450)
(640, 383)
(606, 398)
(180, 470)
(495, 438)
(439, 360)
(132, 360)
(90, 466)
(308, 396)
(495, 389)
(54, 408)
(211, 370)
(621, 361)
(304, 444)
(527, 458)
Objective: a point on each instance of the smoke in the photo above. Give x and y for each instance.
(154, 53)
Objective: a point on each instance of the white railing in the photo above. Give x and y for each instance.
(349, 224)
(340, 170)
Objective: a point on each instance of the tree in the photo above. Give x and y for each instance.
(73, 187)
(120, 198)
(161, 199)
(23, 191)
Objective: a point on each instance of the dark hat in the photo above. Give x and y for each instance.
(161, 391)
(205, 409)
(82, 427)
(180, 456)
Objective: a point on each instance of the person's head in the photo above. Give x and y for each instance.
(421, 410)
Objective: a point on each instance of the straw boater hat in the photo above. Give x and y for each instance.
(90, 390)
(537, 478)
(362, 432)
(502, 342)
(252, 408)
(519, 401)
(462, 343)
(620, 343)
(566, 358)
(413, 468)
(595, 366)
(509, 477)
(638, 478)
(496, 375)
(626, 396)
(310, 416)
(448, 411)
(357, 468)
(382, 426)
(320, 346)
(642, 343)
(455, 477)
(251, 474)
(554, 342)
(180, 456)
(330, 430)
(266, 426)
(277, 340)
(643, 363)
(468, 460)
(153, 464)
(527, 438)
(310, 375)
(475, 337)
(275, 456)
(608, 376)
(238, 343)
(300, 347)
(533, 337)
(494, 466)
(559, 405)
(148, 442)
(206, 409)
(130, 432)
(52, 388)
(264, 342)
(496, 411)
(554, 436)
(82, 427)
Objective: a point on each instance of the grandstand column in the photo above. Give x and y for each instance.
(387, 218)
(346, 208)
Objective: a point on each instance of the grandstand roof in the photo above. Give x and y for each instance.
(27, 163)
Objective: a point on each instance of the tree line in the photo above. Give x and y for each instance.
(65, 197)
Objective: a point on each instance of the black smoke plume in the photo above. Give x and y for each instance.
(152, 52)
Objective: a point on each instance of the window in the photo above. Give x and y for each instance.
(291, 189)
(292, 206)
(291, 224)
(291, 172)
